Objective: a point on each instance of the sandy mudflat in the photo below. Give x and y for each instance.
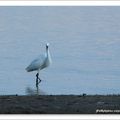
(60, 104)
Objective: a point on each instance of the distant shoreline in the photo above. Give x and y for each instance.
(60, 104)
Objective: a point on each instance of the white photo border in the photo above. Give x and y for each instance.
(59, 116)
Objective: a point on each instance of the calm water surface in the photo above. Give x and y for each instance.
(84, 45)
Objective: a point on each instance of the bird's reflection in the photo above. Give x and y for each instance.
(37, 91)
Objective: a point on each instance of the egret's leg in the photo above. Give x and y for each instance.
(36, 83)
(37, 79)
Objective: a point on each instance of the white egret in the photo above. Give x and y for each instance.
(40, 63)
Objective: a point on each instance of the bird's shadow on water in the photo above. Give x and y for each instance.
(37, 91)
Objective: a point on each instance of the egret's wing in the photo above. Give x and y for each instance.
(36, 64)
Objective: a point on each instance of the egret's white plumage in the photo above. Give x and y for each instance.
(41, 62)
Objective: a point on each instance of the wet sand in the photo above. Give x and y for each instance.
(60, 104)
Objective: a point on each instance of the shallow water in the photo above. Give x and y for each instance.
(84, 45)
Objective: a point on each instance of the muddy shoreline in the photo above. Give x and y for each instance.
(60, 104)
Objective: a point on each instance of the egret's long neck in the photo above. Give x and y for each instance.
(47, 52)
(48, 56)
